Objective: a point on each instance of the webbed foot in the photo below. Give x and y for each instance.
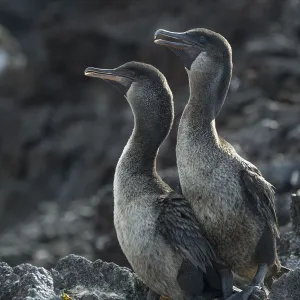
(252, 292)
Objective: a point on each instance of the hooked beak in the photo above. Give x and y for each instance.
(113, 76)
(177, 40)
(106, 74)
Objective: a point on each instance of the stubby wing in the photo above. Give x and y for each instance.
(262, 196)
(180, 228)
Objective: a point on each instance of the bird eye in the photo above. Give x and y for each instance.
(202, 40)
(198, 38)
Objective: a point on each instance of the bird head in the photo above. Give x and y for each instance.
(145, 88)
(194, 46)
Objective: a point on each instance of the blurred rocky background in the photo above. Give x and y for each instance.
(61, 133)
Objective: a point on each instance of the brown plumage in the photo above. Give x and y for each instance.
(232, 200)
(156, 228)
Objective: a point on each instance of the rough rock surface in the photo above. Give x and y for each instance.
(289, 250)
(82, 279)
(25, 282)
(287, 287)
(76, 276)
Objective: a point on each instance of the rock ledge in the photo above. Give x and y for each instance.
(76, 276)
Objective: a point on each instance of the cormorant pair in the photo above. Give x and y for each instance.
(186, 247)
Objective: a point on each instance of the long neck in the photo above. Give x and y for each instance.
(141, 151)
(209, 80)
(138, 160)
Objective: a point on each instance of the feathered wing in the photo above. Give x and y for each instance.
(180, 228)
(262, 196)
